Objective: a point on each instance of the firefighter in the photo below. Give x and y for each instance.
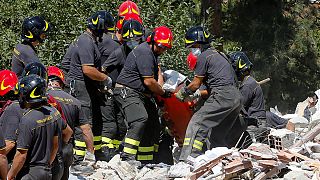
(253, 114)
(136, 84)
(108, 44)
(126, 8)
(87, 83)
(3, 158)
(36, 68)
(75, 119)
(221, 109)
(34, 30)
(11, 113)
(132, 33)
(109, 41)
(38, 133)
(8, 80)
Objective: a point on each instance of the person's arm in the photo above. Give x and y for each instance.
(9, 146)
(153, 85)
(3, 159)
(200, 73)
(204, 93)
(54, 150)
(18, 162)
(24, 142)
(93, 73)
(195, 83)
(160, 76)
(66, 134)
(11, 119)
(88, 137)
(3, 166)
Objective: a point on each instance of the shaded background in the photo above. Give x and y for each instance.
(281, 37)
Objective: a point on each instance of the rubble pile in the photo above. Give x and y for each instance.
(288, 154)
(258, 161)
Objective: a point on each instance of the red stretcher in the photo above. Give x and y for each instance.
(177, 116)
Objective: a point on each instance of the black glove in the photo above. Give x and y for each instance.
(167, 94)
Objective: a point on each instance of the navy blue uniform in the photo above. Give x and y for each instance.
(38, 127)
(252, 98)
(115, 127)
(66, 61)
(71, 108)
(133, 96)
(23, 54)
(9, 121)
(220, 110)
(253, 115)
(140, 63)
(114, 64)
(86, 90)
(107, 46)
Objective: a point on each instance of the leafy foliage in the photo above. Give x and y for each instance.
(282, 38)
(69, 21)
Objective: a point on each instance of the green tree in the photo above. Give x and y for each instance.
(68, 18)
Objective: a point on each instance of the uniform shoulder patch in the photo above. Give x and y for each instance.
(16, 51)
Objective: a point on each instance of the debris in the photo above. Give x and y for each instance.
(238, 166)
(309, 136)
(258, 162)
(179, 170)
(301, 175)
(281, 138)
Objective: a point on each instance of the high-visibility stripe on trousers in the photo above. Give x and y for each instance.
(97, 142)
(147, 153)
(110, 143)
(80, 148)
(131, 146)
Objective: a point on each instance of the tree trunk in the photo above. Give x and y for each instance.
(215, 17)
(216, 25)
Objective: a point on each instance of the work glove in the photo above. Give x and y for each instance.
(167, 94)
(181, 94)
(89, 159)
(107, 83)
(193, 96)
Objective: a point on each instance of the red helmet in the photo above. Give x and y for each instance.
(8, 81)
(191, 61)
(56, 72)
(128, 7)
(126, 18)
(161, 36)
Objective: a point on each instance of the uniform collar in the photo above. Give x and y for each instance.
(245, 79)
(29, 44)
(91, 36)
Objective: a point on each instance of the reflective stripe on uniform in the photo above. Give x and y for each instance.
(146, 149)
(116, 142)
(80, 143)
(97, 147)
(79, 152)
(156, 148)
(106, 140)
(111, 146)
(132, 141)
(97, 138)
(145, 157)
(186, 141)
(129, 150)
(197, 144)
